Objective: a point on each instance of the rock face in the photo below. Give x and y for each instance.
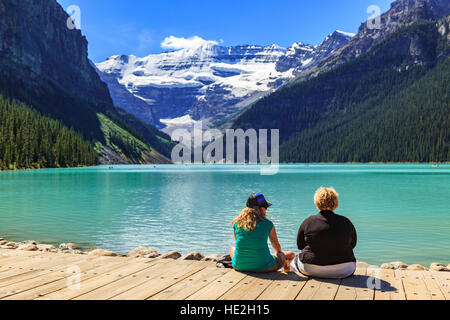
(193, 256)
(300, 57)
(208, 81)
(143, 252)
(35, 38)
(435, 266)
(44, 63)
(401, 13)
(171, 255)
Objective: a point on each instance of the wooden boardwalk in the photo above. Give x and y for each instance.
(53, 276)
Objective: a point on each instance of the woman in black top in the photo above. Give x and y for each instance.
(326, 240)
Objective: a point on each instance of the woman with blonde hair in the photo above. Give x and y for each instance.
(326, 240)
(251, 231)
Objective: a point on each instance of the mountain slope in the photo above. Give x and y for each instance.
(401, 13)
(390, 104)
(207, 82)
(44, 64)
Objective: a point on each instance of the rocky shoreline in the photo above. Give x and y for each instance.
(151, 253)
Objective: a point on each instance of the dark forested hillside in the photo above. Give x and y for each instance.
(45, 65)
(390, 104)
(30, 140)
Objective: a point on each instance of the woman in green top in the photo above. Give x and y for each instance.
(251, 231)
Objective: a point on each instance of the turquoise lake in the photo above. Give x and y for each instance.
(400, 211)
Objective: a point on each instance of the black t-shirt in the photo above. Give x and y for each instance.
(326, 238)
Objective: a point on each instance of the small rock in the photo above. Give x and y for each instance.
(417, 267)
(104, 253)
(171, 255)
(143, 252)
(152, 255)
(28, 242)
(28, 247)
(11, 245)
(46, 247)
(213, 257)
(193, 256)
(435, 266)
(2, 242)
(67, 246)
(72, 246)
(394, 265)
(1, 239)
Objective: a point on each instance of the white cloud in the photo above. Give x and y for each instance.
(174, 43)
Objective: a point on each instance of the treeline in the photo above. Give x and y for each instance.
(409, 125)
(129, 147)
(390, 104)
(31, 140)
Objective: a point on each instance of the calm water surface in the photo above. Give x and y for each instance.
(401, 212)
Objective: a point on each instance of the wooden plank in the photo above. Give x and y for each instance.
(42, 278)
(114, 288)
(441, 280)
(285, 287)
(319, 289)
(96, 282)
(190, 285)
(106, 266)
(356, 287)
(391, 288)
(250, 287)
(20, 253)
(18, 274)
(415, 288)
(12, 261)
(219, 286)
(153, 286)
(430, 283)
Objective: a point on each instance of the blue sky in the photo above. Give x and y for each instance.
(140, 26)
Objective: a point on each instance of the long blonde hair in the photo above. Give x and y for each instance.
(249, 218)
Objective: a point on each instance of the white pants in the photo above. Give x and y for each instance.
(335, 271)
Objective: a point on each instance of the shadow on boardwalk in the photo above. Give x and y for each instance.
(355, 281)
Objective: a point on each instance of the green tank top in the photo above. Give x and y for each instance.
(252, 251)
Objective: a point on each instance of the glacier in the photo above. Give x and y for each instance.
(204, 80)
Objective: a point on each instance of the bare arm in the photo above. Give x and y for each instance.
(274, 240)
(234, 234)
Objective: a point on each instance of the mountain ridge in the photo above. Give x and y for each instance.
(45, 65)
(207, 82)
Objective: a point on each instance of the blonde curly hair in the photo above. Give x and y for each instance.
(326, 199)
(249, 218)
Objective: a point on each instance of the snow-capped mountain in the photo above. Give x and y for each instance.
(206, 81)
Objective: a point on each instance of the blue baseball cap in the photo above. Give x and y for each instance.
(257, 200)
